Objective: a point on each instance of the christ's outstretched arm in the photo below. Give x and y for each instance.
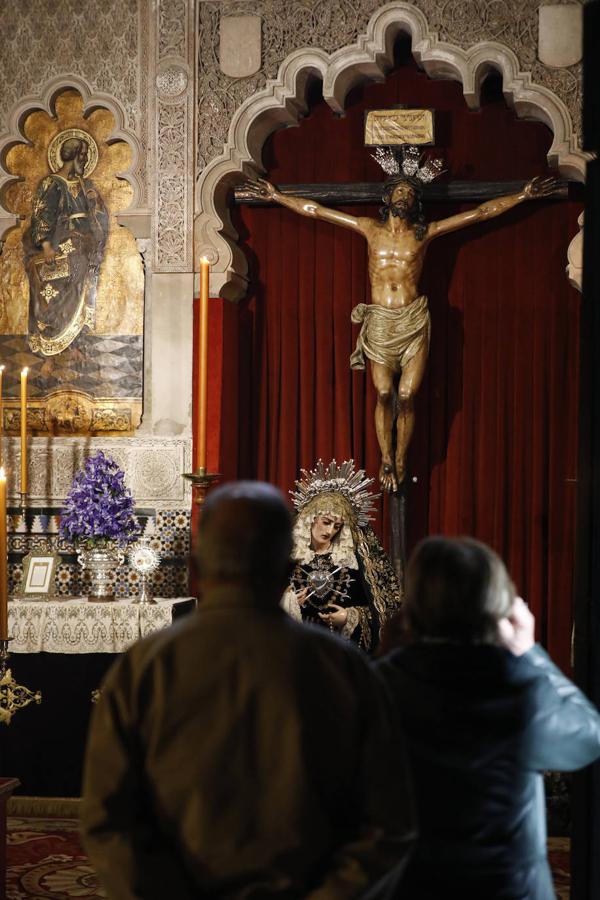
(535, 189)
(261, 189)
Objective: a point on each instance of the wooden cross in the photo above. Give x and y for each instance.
(365, 193)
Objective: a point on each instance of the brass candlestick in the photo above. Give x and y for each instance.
(13, 696)
(202, 481)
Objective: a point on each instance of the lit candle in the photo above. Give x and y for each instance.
(202, 362)
(3, 578)
(24, 430)
(1, 416)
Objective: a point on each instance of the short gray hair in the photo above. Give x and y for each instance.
(245, 531)
(457, 589)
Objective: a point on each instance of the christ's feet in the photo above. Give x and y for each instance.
(387, 478)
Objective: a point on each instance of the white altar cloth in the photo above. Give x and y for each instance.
(79, 626)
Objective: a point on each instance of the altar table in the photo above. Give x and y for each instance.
(79, 626)
(64, 648)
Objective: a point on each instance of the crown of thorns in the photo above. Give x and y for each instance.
(407, 164)
(350, 484)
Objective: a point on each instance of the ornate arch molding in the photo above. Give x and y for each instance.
(45, 101)
(282, 103)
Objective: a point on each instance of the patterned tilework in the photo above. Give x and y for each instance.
(106, 366)
(167, 531)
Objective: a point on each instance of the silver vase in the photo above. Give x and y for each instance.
(100, 562)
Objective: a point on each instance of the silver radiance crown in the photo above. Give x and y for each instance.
(407, 163)
(333, 479)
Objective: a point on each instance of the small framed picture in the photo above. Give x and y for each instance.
(39, 569)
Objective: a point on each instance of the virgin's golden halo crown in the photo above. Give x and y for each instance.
(344, 480)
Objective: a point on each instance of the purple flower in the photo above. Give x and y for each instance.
(99, 506)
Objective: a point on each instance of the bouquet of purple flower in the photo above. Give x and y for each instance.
(99, 508)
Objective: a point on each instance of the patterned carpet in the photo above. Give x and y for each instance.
(46, 862)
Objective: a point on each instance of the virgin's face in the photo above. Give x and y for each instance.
(324, 529)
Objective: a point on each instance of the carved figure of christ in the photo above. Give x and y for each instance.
(397, 246)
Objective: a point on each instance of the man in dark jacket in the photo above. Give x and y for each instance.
(240, 754)
(485, 712)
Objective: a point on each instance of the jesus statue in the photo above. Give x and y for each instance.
(395, 325)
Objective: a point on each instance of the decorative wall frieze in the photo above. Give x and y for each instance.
(153, 468)
(172, 76)
(282, 101)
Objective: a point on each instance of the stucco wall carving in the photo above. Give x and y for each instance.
(330, 24)
(174, 82)
(42, 40)
(172, 32)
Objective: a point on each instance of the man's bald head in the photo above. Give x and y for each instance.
(245, 534)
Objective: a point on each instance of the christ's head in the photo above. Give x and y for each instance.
(402, 199)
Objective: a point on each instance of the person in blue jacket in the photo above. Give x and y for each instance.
(485, 712)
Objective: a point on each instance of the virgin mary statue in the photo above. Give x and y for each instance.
(342, 578)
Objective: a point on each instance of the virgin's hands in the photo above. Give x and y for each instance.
(301, 596)
(337, 618)
(517, 631)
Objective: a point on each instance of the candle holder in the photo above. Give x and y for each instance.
(13, 696)
(202, 481)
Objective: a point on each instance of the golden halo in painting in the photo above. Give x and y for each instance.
(54, 157)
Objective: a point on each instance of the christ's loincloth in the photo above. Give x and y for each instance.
(390, 336)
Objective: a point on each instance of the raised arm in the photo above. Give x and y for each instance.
(535, 189)
(260, 189)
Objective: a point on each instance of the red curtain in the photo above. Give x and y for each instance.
(495, 445)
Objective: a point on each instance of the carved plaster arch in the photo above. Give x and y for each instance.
(45, 101)
(282, 102)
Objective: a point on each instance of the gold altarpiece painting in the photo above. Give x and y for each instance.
(71, 278)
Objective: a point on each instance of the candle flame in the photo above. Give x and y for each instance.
(1, 368)
(24, 371)
(204, 260)
(2, 474)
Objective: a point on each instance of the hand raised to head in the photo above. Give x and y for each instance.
(516, 631)
(541, 186)
(256, 189)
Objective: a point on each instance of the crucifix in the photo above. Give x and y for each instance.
(395, 325)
